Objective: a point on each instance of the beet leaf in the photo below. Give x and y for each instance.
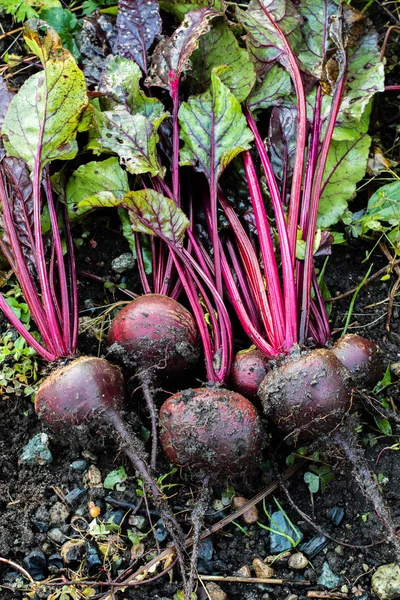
(220, 43)
(172, 55)
(214, 131)
(138, 23)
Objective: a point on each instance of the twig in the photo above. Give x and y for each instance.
(368, 281)
(385, 251)
(270, 581)
(330, 595)
(3, 35)
(18, 567)
(390, 307)
(385, 41)
(387, 11)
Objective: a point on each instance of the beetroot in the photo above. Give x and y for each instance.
(249, 368)
(83, 389)
(362, 357)
(156, 331)
(308, 395)
(212, 429)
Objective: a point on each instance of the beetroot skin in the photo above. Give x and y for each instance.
(362, 357)
(212, 429)
(156, 331)
(249, 369)
(308, 395)
(74, 394)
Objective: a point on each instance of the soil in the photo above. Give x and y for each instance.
(30, 497)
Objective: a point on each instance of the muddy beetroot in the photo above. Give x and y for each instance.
(78, 392)
(156, 331)
(362, 357)
(308, 395)
(249, 368)
(212, 429)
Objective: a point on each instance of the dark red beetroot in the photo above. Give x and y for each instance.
(78, 392)
(156, 331)
(249, 369)
(87, 391)
(308, 395)
(362, 357)
(212, 429)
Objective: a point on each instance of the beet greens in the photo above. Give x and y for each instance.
(33, 136)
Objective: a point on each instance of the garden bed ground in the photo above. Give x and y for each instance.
(28, 494)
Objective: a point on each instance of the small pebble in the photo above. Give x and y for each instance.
(298, 561)
(328, 578)
(93, 560)
(89, 456)
(56, 535)
(314, 546)
(244, 571)
(386, 582)
(93, 477)
(266, 596)
(35, 564)
(79, 465)
(55, 562)
(139, 522)
(365, 568)
(160, 532)
(206, 550)
(339, 550)
(251, 515)
(336, 515)
(36, 452)
(124, 262)
(262, 570)
(344, 589)
(292, 597)
(74, 495)
(215, 592)
(58, 513)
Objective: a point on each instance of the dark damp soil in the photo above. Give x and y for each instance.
(30, 497)
(42, 507)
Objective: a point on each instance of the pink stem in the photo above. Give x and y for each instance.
(252, 267)
(142, 272)
(23, 275)
(289, 289)
(62, 278)
(267, 250)
(315, 197)
(49, 309)
(297, 178)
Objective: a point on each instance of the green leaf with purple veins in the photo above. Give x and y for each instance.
(119, 82)
(213, 129)
(220, 47)
(42, 120)
(346, 165)
(132, 137)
